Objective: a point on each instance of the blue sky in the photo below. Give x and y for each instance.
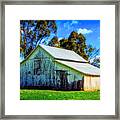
(89, 28)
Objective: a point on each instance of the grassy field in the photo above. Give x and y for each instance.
(58, 95)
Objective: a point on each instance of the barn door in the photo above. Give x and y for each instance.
(80, 84)
(63, 79)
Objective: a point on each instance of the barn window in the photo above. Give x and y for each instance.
(37, 67)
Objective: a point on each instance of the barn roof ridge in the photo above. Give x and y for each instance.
(65, 55)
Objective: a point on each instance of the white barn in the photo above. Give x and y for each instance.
(60, 69)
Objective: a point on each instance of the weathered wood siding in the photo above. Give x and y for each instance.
(73, 76)
(43, 76)
(91, 83)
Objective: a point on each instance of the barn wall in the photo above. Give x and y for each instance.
(45, 77)
(73, 76)
(91, 83)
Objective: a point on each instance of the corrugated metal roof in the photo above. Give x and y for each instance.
(85, 68)
(64, 54)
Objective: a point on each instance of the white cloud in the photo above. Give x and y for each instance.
(74, 22)
(66, 24)
(84, 31)
(59, 38)
(98, 57)
(98, 38)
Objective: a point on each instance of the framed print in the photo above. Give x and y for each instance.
(60, 60)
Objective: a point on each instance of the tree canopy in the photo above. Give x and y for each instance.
(54, 42)
(32, 33)
(75, 42)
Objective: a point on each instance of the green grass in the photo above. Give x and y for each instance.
(58, 95)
